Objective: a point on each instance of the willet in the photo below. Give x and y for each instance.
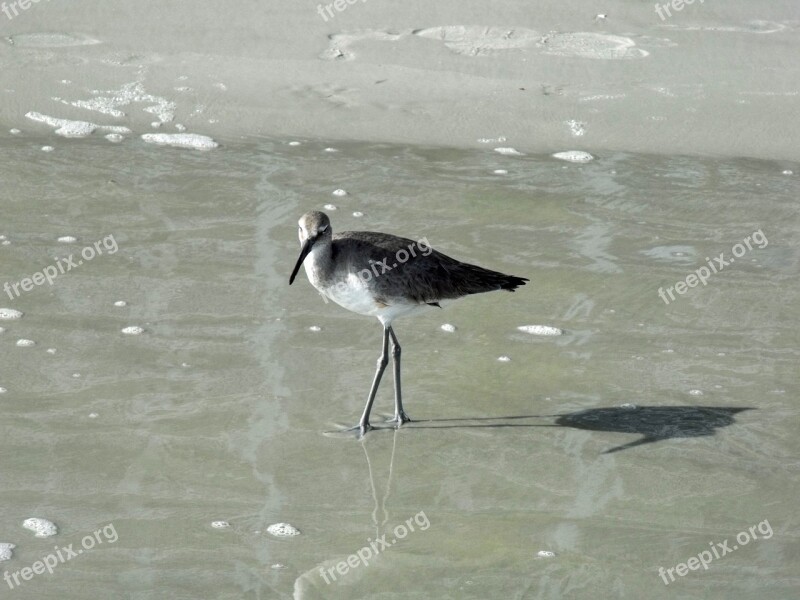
(386, 276)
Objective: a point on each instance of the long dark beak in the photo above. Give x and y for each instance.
(303, 253)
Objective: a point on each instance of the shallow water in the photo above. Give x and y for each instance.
(218, 410)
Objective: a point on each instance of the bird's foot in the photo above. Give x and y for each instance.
(358, 432)
(399, 419)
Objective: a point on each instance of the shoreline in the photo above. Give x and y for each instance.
(711, 81)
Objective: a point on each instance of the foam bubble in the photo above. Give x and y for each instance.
(132, 330)
(315, 328)
(508, 151)
(181, 140)
(358, 213)
(786, 172)
(294, 143)
(9, 314)
(330, 207)
(220, 524)
(500, 172)
(331, 150)
(41, 527)
(628, 406)
(695, 392)
(504, 358)
(180, 127)
(130, 92)
(93, 415)
(545, 554)
(3, 390)
(120, 303)
(67, 239)
(51, 350)
(574, 156)
(540, 330)
(339, 192)
(448, 328)
(23, 343)
(577, 128)
(283, 530)
(47, 148)
(115, 138)
(14, 131)
(6, 551)
(73, 129)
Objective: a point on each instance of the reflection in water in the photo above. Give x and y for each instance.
(382, 503)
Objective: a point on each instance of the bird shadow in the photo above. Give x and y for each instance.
(652, 423)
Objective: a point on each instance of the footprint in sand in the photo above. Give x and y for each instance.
(473, 40)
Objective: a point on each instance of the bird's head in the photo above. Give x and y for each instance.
(313, 228)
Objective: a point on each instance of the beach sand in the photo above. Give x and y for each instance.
(715, 78)
(172, 387)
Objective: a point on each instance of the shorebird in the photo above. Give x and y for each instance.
(385, 276)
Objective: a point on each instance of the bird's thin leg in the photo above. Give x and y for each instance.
(363, 424)
(400, 415)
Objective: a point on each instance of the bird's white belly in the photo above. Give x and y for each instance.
(355, 295)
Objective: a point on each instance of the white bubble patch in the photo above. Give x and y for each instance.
(132, 330)
(508, 151)
(283, 530)
(181, 140)
(6, 551)
(577, 156)
(540, 330)
(73, 129)
(9, 314)
(41, 527)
